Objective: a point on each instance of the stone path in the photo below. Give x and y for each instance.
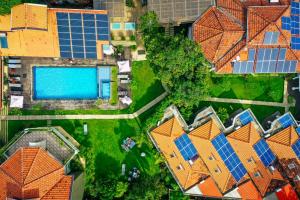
(86, 117)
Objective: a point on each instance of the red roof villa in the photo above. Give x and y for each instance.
(251, 36)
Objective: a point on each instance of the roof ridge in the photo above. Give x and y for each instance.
(30, 165)
(7, 174)
(219, 43)
(230, 16)
(45, 175)
(53, 186)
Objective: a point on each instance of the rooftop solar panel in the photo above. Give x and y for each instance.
(229, 157)
(286, 120)
(298, 130)
(271, 37)
(296, 148)
(251, 54)
(186, 148)
(246, 118)
(282, 53)
(286, 23)
(264, 152)
(79, 32)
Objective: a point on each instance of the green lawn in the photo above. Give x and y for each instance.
(104, 140)
(257, 87)
(114, 86)
(145, 87)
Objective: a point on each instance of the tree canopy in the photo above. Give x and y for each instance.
(178, 62)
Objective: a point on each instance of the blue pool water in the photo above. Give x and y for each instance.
(115, 26)
(130, 26)
(65, 83)
(104, 79)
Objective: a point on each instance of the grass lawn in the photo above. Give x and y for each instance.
(144, 88)
(114, 86)
(258, 87)
(104, 139)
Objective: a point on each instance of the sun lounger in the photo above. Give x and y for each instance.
(16, 92)
(16, 89)
(125, 81)
(14, 61)
(122, 93)
(17, 85)
(123, 76)
(14, 66)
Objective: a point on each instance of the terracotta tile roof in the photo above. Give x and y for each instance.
(242, 140)
(32, 173)
(281, 144)
(287, 193)
(201, 138)
(31, 16)
(254, 18)
(248, 191)
(217, 33)
(188, 175)
(209, 188)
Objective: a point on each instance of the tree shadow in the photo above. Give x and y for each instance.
(106, 165)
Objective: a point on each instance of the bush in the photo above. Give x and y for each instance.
(132, 37)
(133, 47)
(130, 3)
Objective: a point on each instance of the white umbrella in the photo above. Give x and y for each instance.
(16, 101)
(124, 66)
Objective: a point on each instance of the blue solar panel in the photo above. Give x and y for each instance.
(103, 37)
(62, 16)
(282, 53)
(186, 148)
(244, 67)
(296, 148)
(91, 55)
(298, 130)
(87, 17)
(78, 33)
(264, 152)
(246, 118)
(271, 37)
(229, 157)
(286, 23)
(75, 16)
(100, 17)
(251, 54)
(286, 120)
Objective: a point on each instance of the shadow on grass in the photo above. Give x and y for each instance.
(106, 165)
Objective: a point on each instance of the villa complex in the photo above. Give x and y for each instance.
(36, 165)
(240, 161)
(244, 37)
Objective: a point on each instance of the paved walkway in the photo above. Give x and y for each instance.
(86, 117)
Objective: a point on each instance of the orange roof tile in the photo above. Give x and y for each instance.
(187, 174)
(216, 33)
(209, 188)
(287, 193)
(201, 138)
(32, 173)
(248, 191)
(222, 46)
(242, 141)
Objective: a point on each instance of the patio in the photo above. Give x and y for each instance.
(51, 139)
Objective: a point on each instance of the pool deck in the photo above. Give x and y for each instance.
(26, 78)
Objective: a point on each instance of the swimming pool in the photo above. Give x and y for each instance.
(104, 80)
(130, 26)
(115, 26)
(58, 83)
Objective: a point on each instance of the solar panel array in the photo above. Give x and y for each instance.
(246, 118)
(186, 147)
(229, 157)
(271, 37)
(298, 131)
(286, 23)
(245, 67)
(294, 25)
(286, 120)
(78, 34)
(264, 152)
(296, 148)
(271, 60)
